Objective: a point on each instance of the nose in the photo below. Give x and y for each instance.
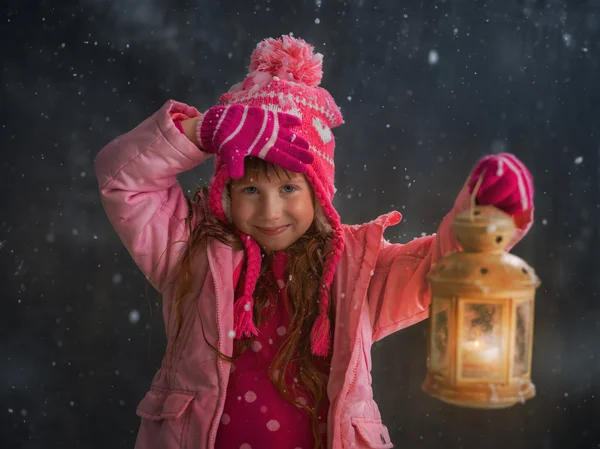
(271, 208)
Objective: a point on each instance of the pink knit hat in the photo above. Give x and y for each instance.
(284, 76)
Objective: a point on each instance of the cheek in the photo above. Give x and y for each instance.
(303, 210)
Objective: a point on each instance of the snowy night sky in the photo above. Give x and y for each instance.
(426, 88)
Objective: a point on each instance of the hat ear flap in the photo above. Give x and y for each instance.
(217, 191)
(226, 202)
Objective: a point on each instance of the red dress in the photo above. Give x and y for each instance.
(256, 415)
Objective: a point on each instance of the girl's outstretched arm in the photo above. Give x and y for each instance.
(399, 292)
(137, 175)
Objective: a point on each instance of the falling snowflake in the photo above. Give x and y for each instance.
(134, 316)
(433, 57)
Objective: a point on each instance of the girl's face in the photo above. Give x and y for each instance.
(274, 210)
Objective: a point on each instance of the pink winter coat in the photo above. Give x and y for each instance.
(379, 288)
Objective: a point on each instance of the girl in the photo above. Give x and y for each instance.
(271, 305)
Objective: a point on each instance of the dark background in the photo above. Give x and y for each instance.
(426, 88)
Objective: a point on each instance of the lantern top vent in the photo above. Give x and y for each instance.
(483, 266)
(483, 229)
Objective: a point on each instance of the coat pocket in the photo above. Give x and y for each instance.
(156, 406)
(164, 419)
(372, 432)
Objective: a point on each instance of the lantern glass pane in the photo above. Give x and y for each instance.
(439, 357)
(481, 347)
(523, 320)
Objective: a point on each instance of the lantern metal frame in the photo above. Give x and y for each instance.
(459, 280)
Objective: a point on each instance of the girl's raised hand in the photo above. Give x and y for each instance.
(237, 131)
(506, 184)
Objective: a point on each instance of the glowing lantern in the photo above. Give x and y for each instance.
(481, 317)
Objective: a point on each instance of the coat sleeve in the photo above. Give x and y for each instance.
(137, 176)
(399, 292)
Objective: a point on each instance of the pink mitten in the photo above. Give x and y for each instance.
(507, 183)
(237, 131)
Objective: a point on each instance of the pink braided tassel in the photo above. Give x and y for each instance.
(243, 325)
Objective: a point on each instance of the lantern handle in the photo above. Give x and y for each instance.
(474, 194)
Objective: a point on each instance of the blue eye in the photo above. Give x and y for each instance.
(250, 190)
(289, 189)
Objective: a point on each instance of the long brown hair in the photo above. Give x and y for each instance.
(306, 259)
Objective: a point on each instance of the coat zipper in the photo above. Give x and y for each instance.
(215, 425)
(354, 375)
(355, 369)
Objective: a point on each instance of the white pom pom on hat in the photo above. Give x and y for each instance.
(284, 59)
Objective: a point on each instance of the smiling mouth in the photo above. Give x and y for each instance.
(272, 231)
